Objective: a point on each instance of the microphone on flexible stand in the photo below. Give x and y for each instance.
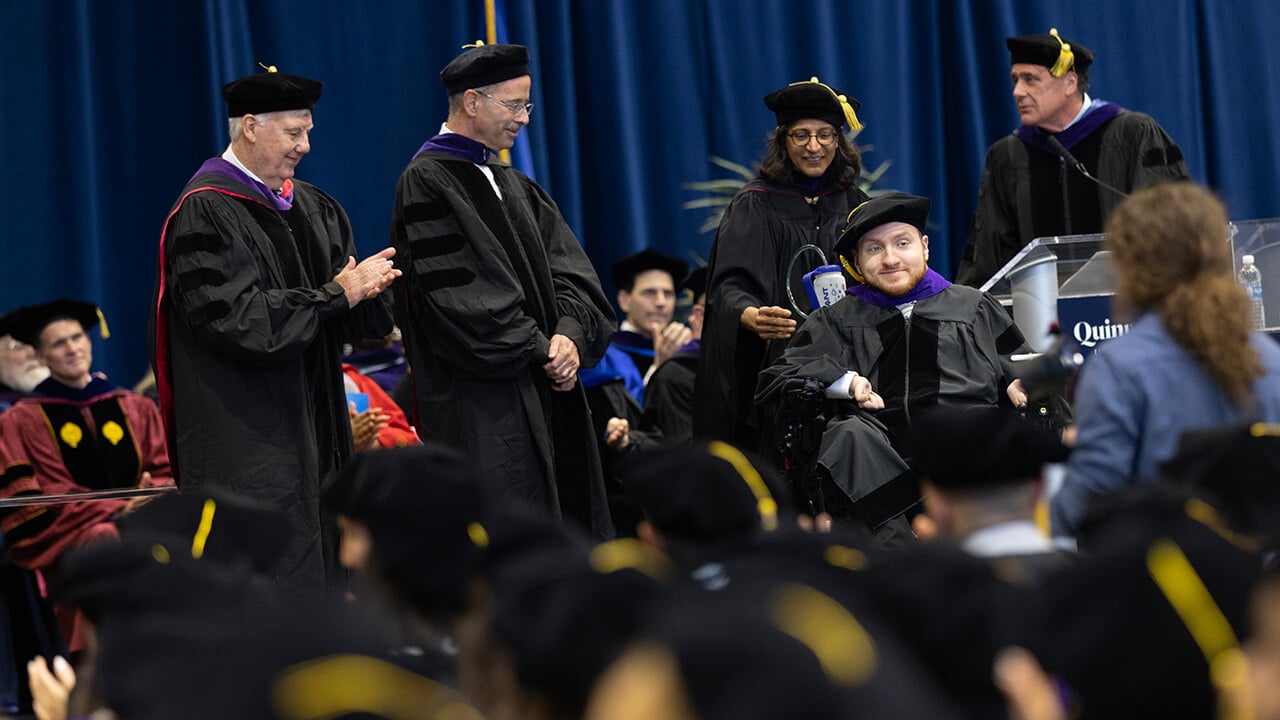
(1079, 167)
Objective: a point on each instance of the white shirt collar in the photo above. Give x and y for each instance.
(1019, 537)
(230, 156)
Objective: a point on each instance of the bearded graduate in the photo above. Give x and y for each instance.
(903, 340)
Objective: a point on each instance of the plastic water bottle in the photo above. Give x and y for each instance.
(1251, 280)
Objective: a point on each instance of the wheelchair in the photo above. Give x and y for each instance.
(803, 414)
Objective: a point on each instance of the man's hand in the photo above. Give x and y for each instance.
(562, 363)
(861, 392)
(365, 427)
(365, 280)
(50, 689)
(144, 481)
(617, 434)
(667, 340)
(770, 323)
(1016, 394)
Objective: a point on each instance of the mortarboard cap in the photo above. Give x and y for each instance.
(1052, 51)
(480, 65)
(212, 526)
(1134, 630)
(702, 492)
(7, 321)
(567, 622)
(890, 207)
(696, 281)
(270, 91)
(784, 648)
(425, 515)
(1237, 465)
(982, 447)
(813, 99)
(26, 324)
(626, 269)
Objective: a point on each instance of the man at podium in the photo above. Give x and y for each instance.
(1072, 160)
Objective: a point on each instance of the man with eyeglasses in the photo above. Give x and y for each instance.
(499, 306)
(807, 184)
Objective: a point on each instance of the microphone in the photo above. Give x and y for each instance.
(1078, 166)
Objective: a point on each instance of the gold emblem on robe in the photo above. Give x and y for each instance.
(71, 434)
(113, 432)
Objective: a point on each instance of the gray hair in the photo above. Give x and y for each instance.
(234, 126)
(455, 100)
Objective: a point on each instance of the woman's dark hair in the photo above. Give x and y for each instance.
(776, 165)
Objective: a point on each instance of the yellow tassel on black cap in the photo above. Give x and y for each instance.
(268, 68)
(1066, 58)
(1182, 587)
(102, 324)
(765, 504)
(850, 116)
(844, 649)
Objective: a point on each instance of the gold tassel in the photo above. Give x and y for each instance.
(1066, 58)
(268, 68)
(765, 504)
(102, 324)
(849, 115)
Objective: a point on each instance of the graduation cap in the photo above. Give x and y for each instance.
(1145, 629)
(953, 611)
(695, 282)
(890, 207)
(626, 269)
(426, 517)
(1052, 51)
(702, 492)
(813, 99)
(7, 320)
(26, 324)
(566, 623)
(479, 65)
(211, 526)
(1238, 466)
(982, 447)
(270, 91)
(781, 649)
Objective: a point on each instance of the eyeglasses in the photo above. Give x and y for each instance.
(513, 106)
(825, 136)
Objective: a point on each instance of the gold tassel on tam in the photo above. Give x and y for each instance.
(1066, 58)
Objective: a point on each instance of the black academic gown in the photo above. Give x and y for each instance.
(668, 398)
(486, 284)
(1020, 197)
(248, 339)
(761, 232)
(950, 353)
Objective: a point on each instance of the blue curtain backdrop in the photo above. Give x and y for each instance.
(107, 107)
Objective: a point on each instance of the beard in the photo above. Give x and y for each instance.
(896, 290)
(24, 379)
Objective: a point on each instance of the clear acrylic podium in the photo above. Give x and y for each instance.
(1069, 279)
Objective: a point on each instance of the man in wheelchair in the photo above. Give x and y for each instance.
(902, 340)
